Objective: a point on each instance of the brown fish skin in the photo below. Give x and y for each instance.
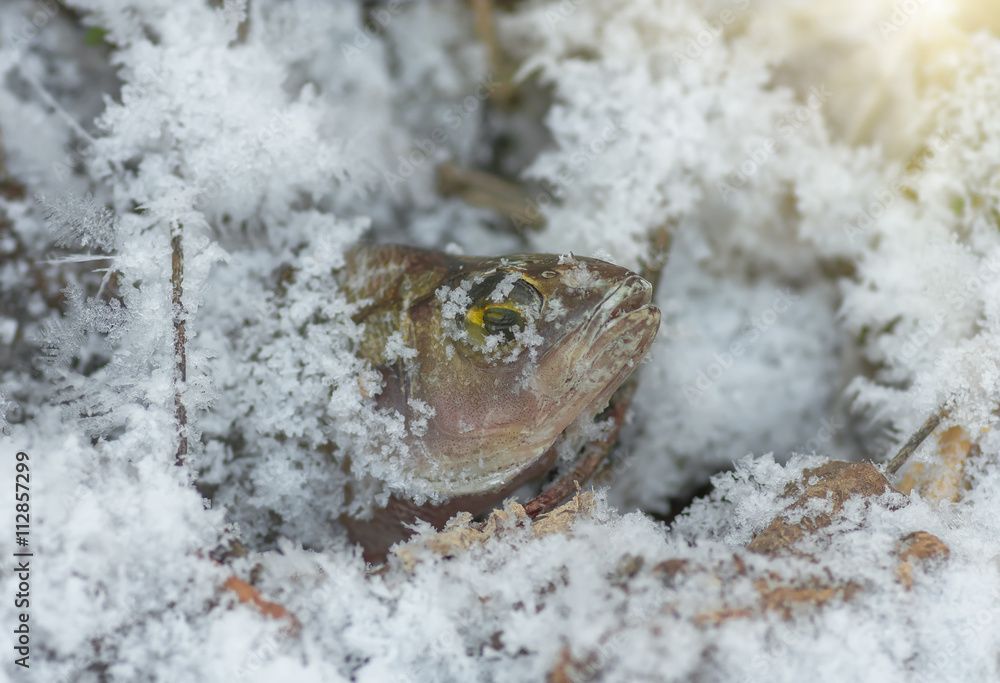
(509, 352)
(388, 526)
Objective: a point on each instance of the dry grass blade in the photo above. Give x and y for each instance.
(914, 442)
(180, 340)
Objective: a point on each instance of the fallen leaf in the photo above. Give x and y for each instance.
(247, 593)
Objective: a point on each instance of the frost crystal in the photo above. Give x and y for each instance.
(396, 349)
(504, 287)
(80, 221)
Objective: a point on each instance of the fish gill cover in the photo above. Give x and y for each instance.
(181, 183)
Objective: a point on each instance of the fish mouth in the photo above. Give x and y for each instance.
(605, 349)
(615, 340)
(618, 335)
(631, 298)
(631, 295)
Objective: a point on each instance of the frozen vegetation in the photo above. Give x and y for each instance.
(829, 173)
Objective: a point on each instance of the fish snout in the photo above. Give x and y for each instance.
(632, 294)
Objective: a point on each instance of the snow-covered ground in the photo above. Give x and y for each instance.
(830, 173)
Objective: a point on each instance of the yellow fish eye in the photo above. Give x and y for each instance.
(492, 314)
(502, 320)
(486, 319)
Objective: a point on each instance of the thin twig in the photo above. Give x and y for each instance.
(59, 110)
(651, 268)
(914, 442)
(76, 258)
(180, 340)
(504, 90)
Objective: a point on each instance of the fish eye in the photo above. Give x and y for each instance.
(501, 320)
(501, 305)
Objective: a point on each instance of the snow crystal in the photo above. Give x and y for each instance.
(455, 301)
(554, 310)
(396, 349)
(80, 220)
(504, 287)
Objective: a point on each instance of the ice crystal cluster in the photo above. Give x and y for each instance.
(181, 178)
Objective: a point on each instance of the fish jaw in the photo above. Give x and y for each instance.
(482, 433)
(586, 370)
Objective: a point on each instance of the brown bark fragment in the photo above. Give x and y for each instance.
(812, 594)
(919, 546)
(904, 575)
(943, 478)
(720, 616)
(570, 670)
(836, 481)
(670, 570)
(460, 533)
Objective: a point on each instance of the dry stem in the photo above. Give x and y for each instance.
(914, 442)
(180, 340)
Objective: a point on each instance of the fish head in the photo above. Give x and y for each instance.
(511, 351)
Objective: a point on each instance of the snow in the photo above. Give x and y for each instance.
(829, 176)
(504, 287)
